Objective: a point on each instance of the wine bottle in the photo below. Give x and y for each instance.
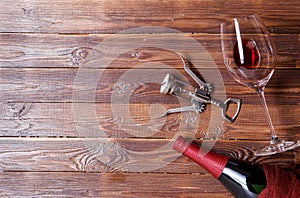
(243, 180)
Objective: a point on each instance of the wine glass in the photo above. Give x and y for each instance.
(250, 55)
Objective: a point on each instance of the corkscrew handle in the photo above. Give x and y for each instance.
(226, 105)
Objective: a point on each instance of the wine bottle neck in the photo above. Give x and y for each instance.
(212, 162)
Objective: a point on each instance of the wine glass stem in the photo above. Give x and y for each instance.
(274, 137)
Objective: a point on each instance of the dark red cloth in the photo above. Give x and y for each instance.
(281, 183)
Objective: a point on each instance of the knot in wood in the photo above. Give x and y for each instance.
(78, 55)
(17, 110)
(27, 12)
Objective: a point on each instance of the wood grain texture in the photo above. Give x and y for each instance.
(38, 102)
(57, 120)
(60, 85)
(109, 17)
(63, 51)
(81, 154)
(109, 185)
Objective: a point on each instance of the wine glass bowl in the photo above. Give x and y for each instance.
(249, 55)
(248, 51)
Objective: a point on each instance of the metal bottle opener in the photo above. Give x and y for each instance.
(199, 97)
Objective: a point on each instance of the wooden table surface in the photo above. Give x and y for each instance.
(50, 63)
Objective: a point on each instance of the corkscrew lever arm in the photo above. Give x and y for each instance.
(178, 110)
(202, 85)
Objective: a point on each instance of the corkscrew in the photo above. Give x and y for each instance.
(199, 97)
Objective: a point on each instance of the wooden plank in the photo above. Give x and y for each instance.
(57, 50)
(65, 184)
(101, 17)
(57, 120)
(60, 85)
(83, 154)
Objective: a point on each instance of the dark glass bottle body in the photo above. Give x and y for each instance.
(243, 180)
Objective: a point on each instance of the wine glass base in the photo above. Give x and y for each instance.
(279, 147)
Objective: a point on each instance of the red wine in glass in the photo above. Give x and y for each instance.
(246, 54)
